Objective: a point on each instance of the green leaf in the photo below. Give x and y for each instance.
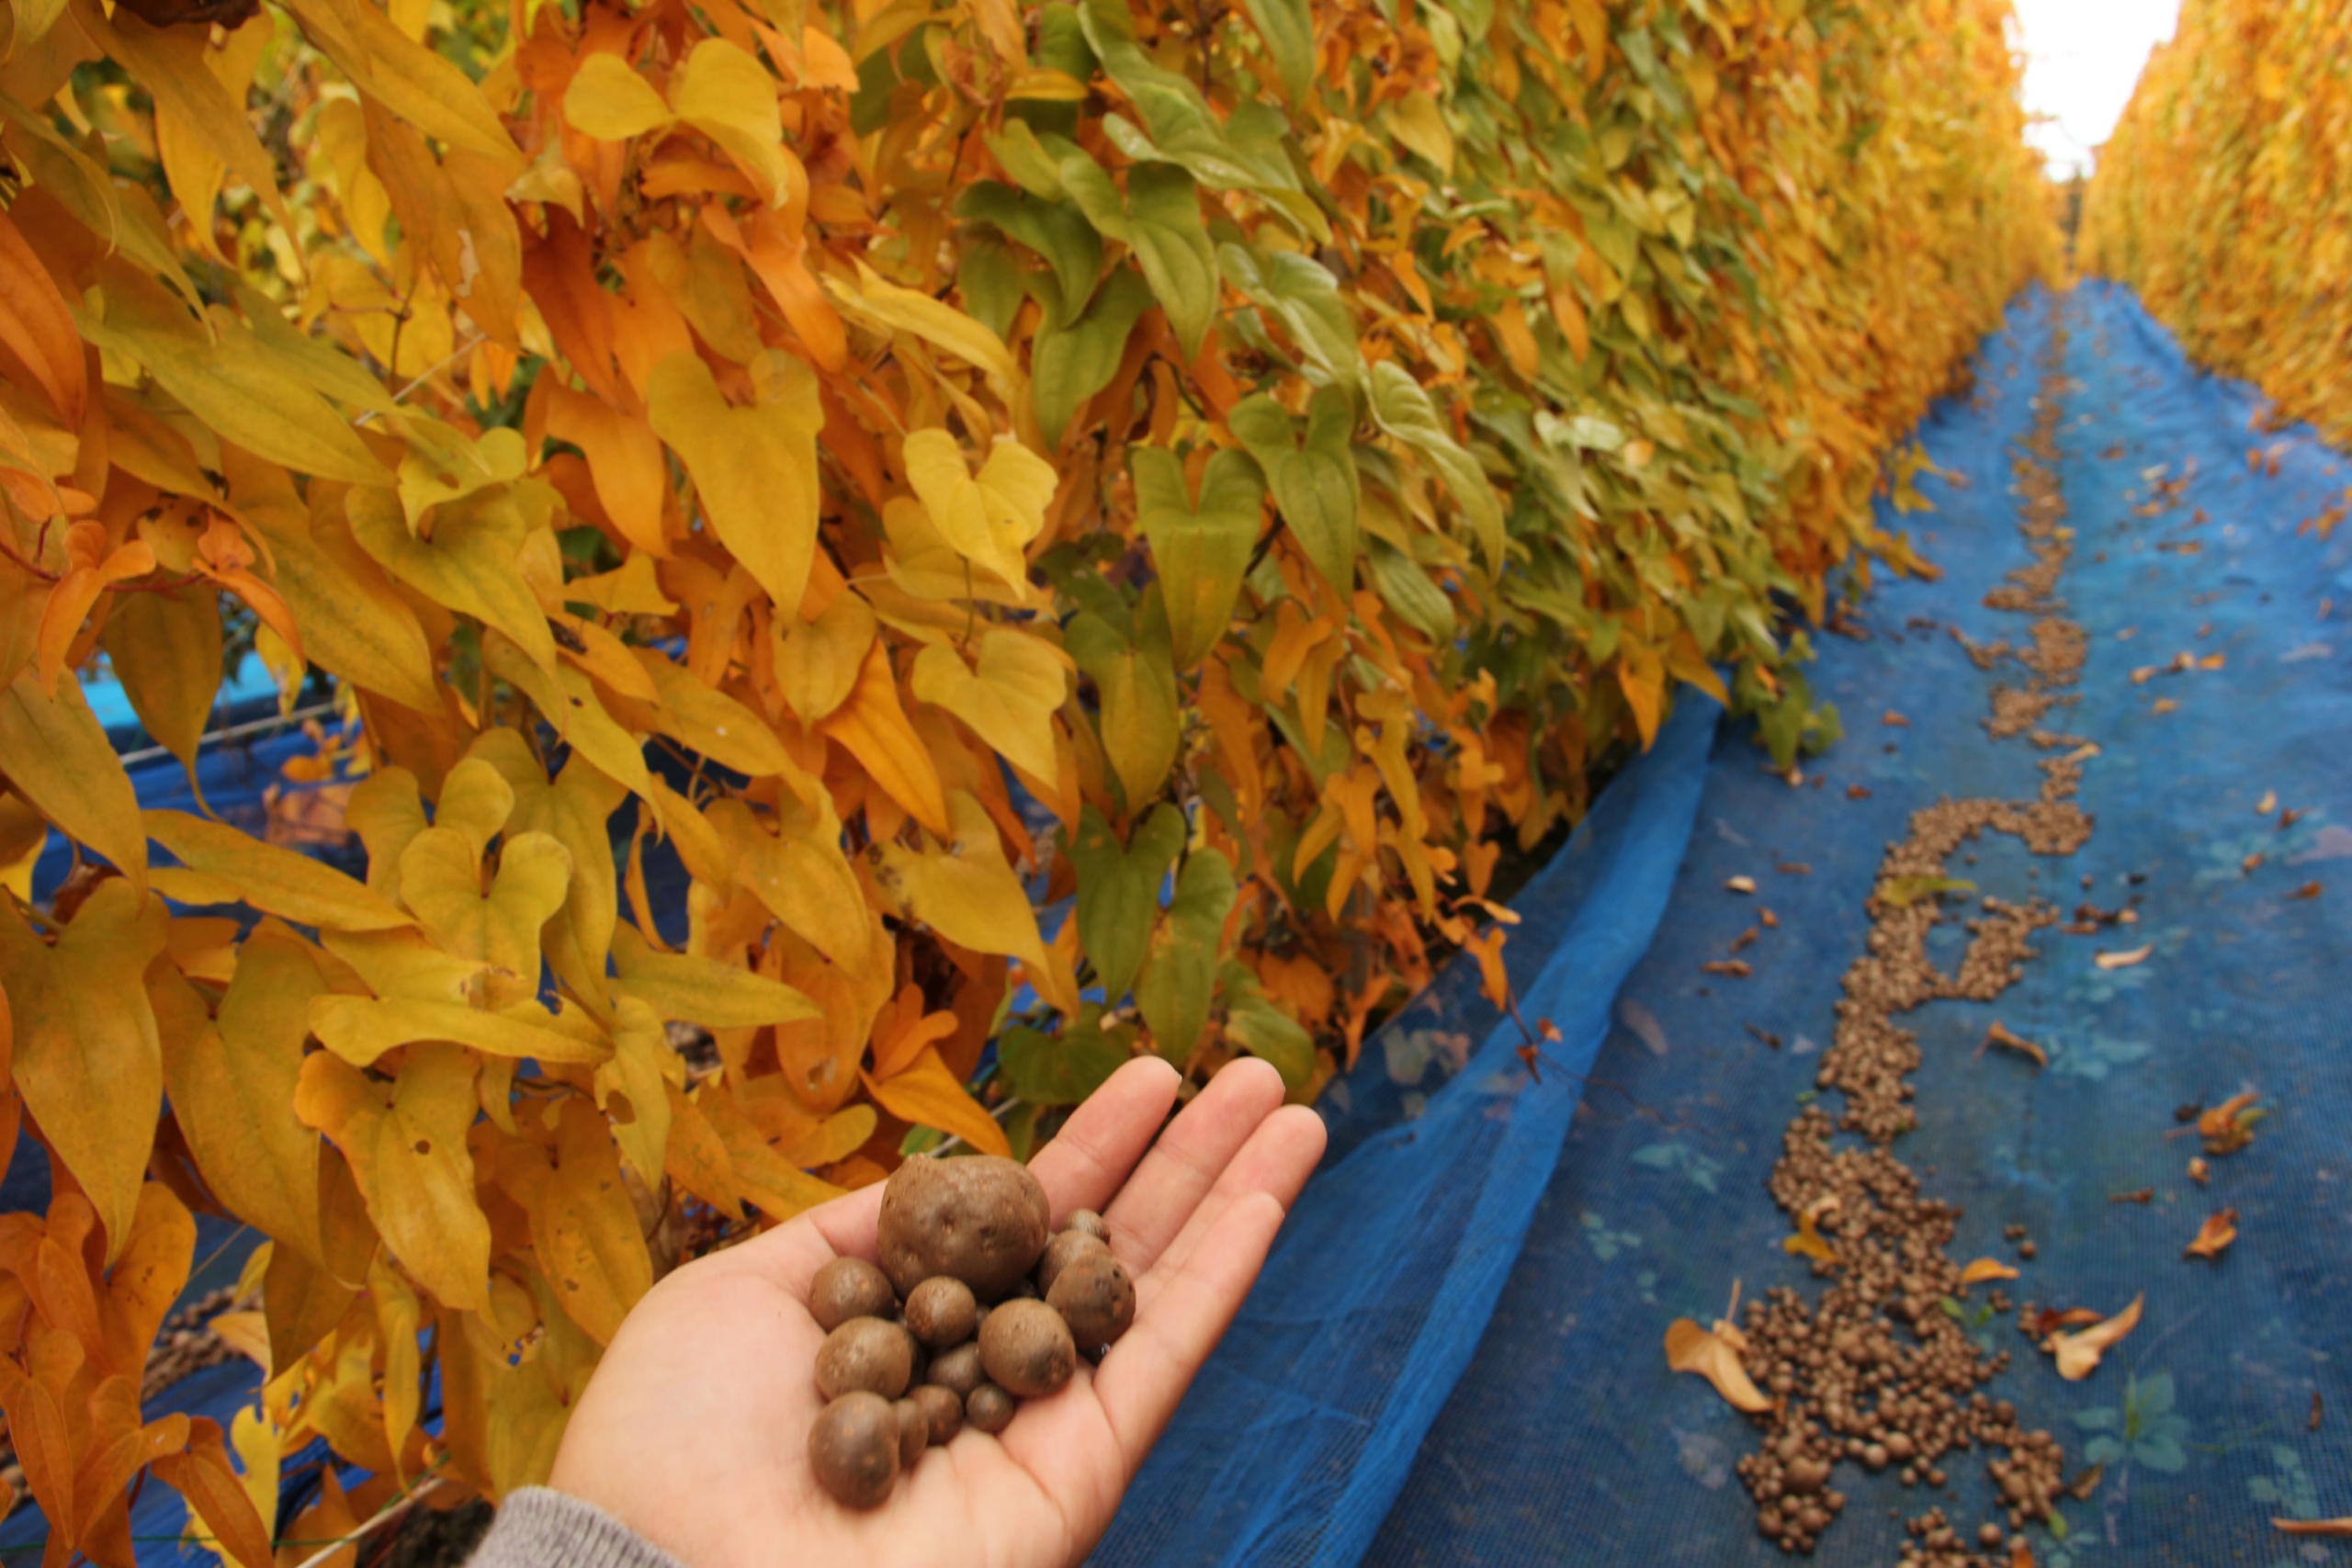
(1405, 588)
(1200, 554)
(1056, 230)
(1178, 978)
(1032, 168)
(1254, 1023)
(1288, 30)
(991, 278)
(1904, 891)
(1118, 890)
(1177, 124)
(1172, 244)
(1315, 485)
(1071, 364)
(1045, 1069)
(1300, 293)
(1141, 722)
(1403, 409)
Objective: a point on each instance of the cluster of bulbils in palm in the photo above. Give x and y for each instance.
(974, 1304)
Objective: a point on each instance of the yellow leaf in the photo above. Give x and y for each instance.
(713, 723)
(817, 661)
(360, 1029)
(2078, 1353)
(763, 1177)
(633, 1089)
(255, 1438)
(227, 378)
(246, 1333)
(1985, 1269)
(471, 563)
(441, 880)
(411, 81)
(888, 307)
(58, 757)
(611, 102)
(1010, 701)
(624, 464)
(804, 881)
(406, 964)
(723, 92)
(1417, 122)
(703, 990)
(928, 1095)
(147, 1277)
(165, 648)
(88, 1059)
(987, 519)
(2214, 1235)
(755, 469)
(406, 1142)
(967, 892)
(232, 1082)
(274, 881)
(1808, 1241)
(1641, 675)
(695, 1156)
(584, 1226)
(629, 589)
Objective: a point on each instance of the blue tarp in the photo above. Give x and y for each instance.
(1455, 1354)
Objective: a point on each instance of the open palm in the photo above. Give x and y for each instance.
(695, 1431)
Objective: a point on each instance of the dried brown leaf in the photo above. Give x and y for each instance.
(2214, 1235)
(2078, 1353)
(2126, 959)
(2267, 804)
(2000, 1034)
(1740, 884)
(2083, 1485)
(1715, 1356)
(2313, 1527)
(2229, 1126)
(2146, 1195)
(1894, 720)
(2199, 1171)
(2308, 890)
(1737, 968)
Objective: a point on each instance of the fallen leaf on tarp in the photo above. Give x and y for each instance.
(2083, 1485)
(2049, 1320)
(2142, 676)
(1744, 938)
(2308, 890)
(2146, 1195)
(2000, 1034)
(1771, 921)
(2214, 1235)
(2246, 866)
(2163, 705)
(1894, 719)
(2212, 661)
(1857, 791)
(2078, 1353)
(2313, 1527)
(2267, 804)
(2123, 960)
(2020, 1552)
(1737, 968)
(1715, 1356)
(1985, 1269)
(1740, 884)
(2229, 1126)
(1808, 1241)
(2288, 819)
(1904, 891)
(2319, 1413)
(2199, 1171)
(1793, 868)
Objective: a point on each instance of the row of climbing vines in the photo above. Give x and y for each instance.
(2224, 198)
(1079, 526)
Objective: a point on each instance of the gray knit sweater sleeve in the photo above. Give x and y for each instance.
(539, 1529)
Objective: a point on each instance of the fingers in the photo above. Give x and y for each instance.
(1105, 1136)
(1148, 1370)
(1185, 1164)
(1276, 1161)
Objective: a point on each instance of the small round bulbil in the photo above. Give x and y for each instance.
(854, 1448)
(867, 1355)
(1026, 1350)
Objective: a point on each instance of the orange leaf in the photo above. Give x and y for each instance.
(2078, 1353)
(872, 726)
(204, 1476)
(2313, 1527)
(37, 326)
(928, 1095)
(2214, 1235)
(1808, 1241)
(1985, 1269)
(1691, 1348)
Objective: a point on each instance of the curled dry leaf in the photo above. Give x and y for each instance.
(2308, 890)
(2199, 1171)
(1809, 1242)
(1894, 720)
(1985, 1269)
(2313, 1527)
(2083, 1485)
(1737, 968)
(2049, 1320)
(2124, 960)
(2163, 705)
(2247, 866)
(2267, 804)
(2146, 1195)
(1740, 884)
(1713, 1354)
(2078, 1353)
(2001, 1035)
(2229, 1126)
(2214, 1235)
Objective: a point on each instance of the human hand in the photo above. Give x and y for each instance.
(695, 1431)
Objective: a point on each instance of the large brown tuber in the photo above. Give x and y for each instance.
(981, 1220)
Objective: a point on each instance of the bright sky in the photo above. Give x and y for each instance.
(2082, 60)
